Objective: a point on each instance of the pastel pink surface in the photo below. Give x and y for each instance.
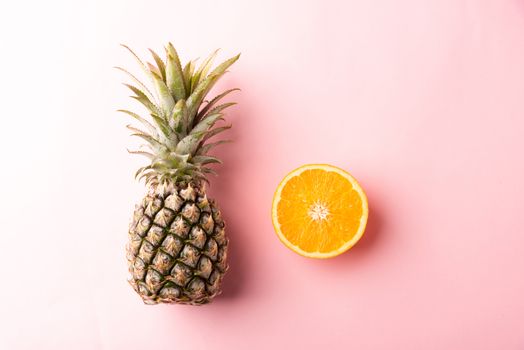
(422, 101)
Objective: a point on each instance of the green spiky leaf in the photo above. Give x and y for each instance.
(141, 170)
(204, 149)
(160, 64)
(215, 110)
(215, 132)
(188, 71)
(174, 74)
(142, 98)
(179, 119)
(149, 139)
(176, 134)
(150, 127)
(207, 170)
(162, 125)
(202, 71)
(189, 144)
(206, 123)
(166, 100)
(154, 69)
(211, 103)
(205, 160)
(143, 153)
(222, 67)
(143, 87)
(196, 98)
(144, 68)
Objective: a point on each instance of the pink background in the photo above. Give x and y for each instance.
(421, 100)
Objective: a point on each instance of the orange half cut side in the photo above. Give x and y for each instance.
(319, 211)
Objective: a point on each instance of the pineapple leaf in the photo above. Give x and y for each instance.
(154, 69)
(214, 132)
(221, 68)
(215, 110)
(188, 71)
(189, 144)
(138, 131)
(139, 83)
(133, 53)
(160, 64)
(147, 175)
(148, 73)
(211, 103)
(205, 160)
(207, 170)
(150, 127)
(178, 157)
(199, 175)
(207, 147)
(161, 164)
(174, 75)
(149, 139)
(162, 125)
(178, 121)
(202, 70)
(143, 153)
(221, 107)
(166, 100)
(196, 98)
(141, 170)
(142, 98)
(206, 123)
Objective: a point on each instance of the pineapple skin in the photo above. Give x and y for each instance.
(177, 248)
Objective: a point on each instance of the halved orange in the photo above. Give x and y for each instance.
(319, 211)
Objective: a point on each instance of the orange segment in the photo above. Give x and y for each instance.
(319, 211)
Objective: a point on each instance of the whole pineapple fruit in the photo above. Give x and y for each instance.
(177, 249)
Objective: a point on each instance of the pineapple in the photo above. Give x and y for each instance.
(177, 248)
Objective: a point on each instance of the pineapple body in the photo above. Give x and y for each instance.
(177, 249)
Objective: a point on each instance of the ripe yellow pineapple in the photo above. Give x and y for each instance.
(177, 249)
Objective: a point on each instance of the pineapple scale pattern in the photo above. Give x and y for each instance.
(177, 249)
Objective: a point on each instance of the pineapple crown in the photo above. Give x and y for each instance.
(181, 122)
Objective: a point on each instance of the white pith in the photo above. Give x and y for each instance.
(318, 211)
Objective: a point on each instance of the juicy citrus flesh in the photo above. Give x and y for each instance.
(319, 211)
